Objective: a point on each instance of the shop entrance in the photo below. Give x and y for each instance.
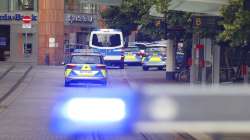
(82, 38)
(4, 42)
(28, 45)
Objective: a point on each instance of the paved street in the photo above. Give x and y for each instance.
(138, 76)
(26, 113)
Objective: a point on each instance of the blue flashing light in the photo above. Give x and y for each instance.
(104, 110)
(95, 110)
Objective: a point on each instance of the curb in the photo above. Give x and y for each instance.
(13, 88)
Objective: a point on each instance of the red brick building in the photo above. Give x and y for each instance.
(55, 23)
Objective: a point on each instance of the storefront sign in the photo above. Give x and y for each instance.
(27, 26)
(15, 17)
(72, 19)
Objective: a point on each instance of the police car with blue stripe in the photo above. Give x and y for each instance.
(85, 68)
(155, 59)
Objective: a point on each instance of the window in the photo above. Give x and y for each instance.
(87, 8)
(106, 40)
(85, 59)
(25, 5)
(80, 6)
(4, 6)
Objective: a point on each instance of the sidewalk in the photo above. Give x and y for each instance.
(5, 68)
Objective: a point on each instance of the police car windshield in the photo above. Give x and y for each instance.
(106, 40)
(85, 59)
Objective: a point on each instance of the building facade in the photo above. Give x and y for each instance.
(54, 24)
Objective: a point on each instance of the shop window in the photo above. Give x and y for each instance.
(25, 5)
(4, 6)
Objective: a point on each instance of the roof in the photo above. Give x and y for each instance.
(85, 51)
(210, 7)
(108, 2)
(86, 54)
(108, 30)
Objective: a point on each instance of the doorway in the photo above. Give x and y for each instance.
(4, 42)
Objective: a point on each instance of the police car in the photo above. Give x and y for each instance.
(154, 61)
(132, 57)
(85, 67)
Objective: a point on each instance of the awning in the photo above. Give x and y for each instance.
(209, 7)
(105, 2)
(111, 2)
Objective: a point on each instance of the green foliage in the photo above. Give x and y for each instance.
(128, 16)
(133, 13)
(236, 24)
(162, 6)
(179, 23)
(175, 20)
(150, 30)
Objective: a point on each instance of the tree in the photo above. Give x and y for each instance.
(236, 24)
(128, 16)
(134, 13)
(151, 29)
(177, 24)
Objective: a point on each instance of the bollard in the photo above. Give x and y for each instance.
(47, 59)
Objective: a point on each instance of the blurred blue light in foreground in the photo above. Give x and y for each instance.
(95, 110)
(104, 110)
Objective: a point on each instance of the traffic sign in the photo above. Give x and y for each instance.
(26, 19)
(26, 22)
(27, 26)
